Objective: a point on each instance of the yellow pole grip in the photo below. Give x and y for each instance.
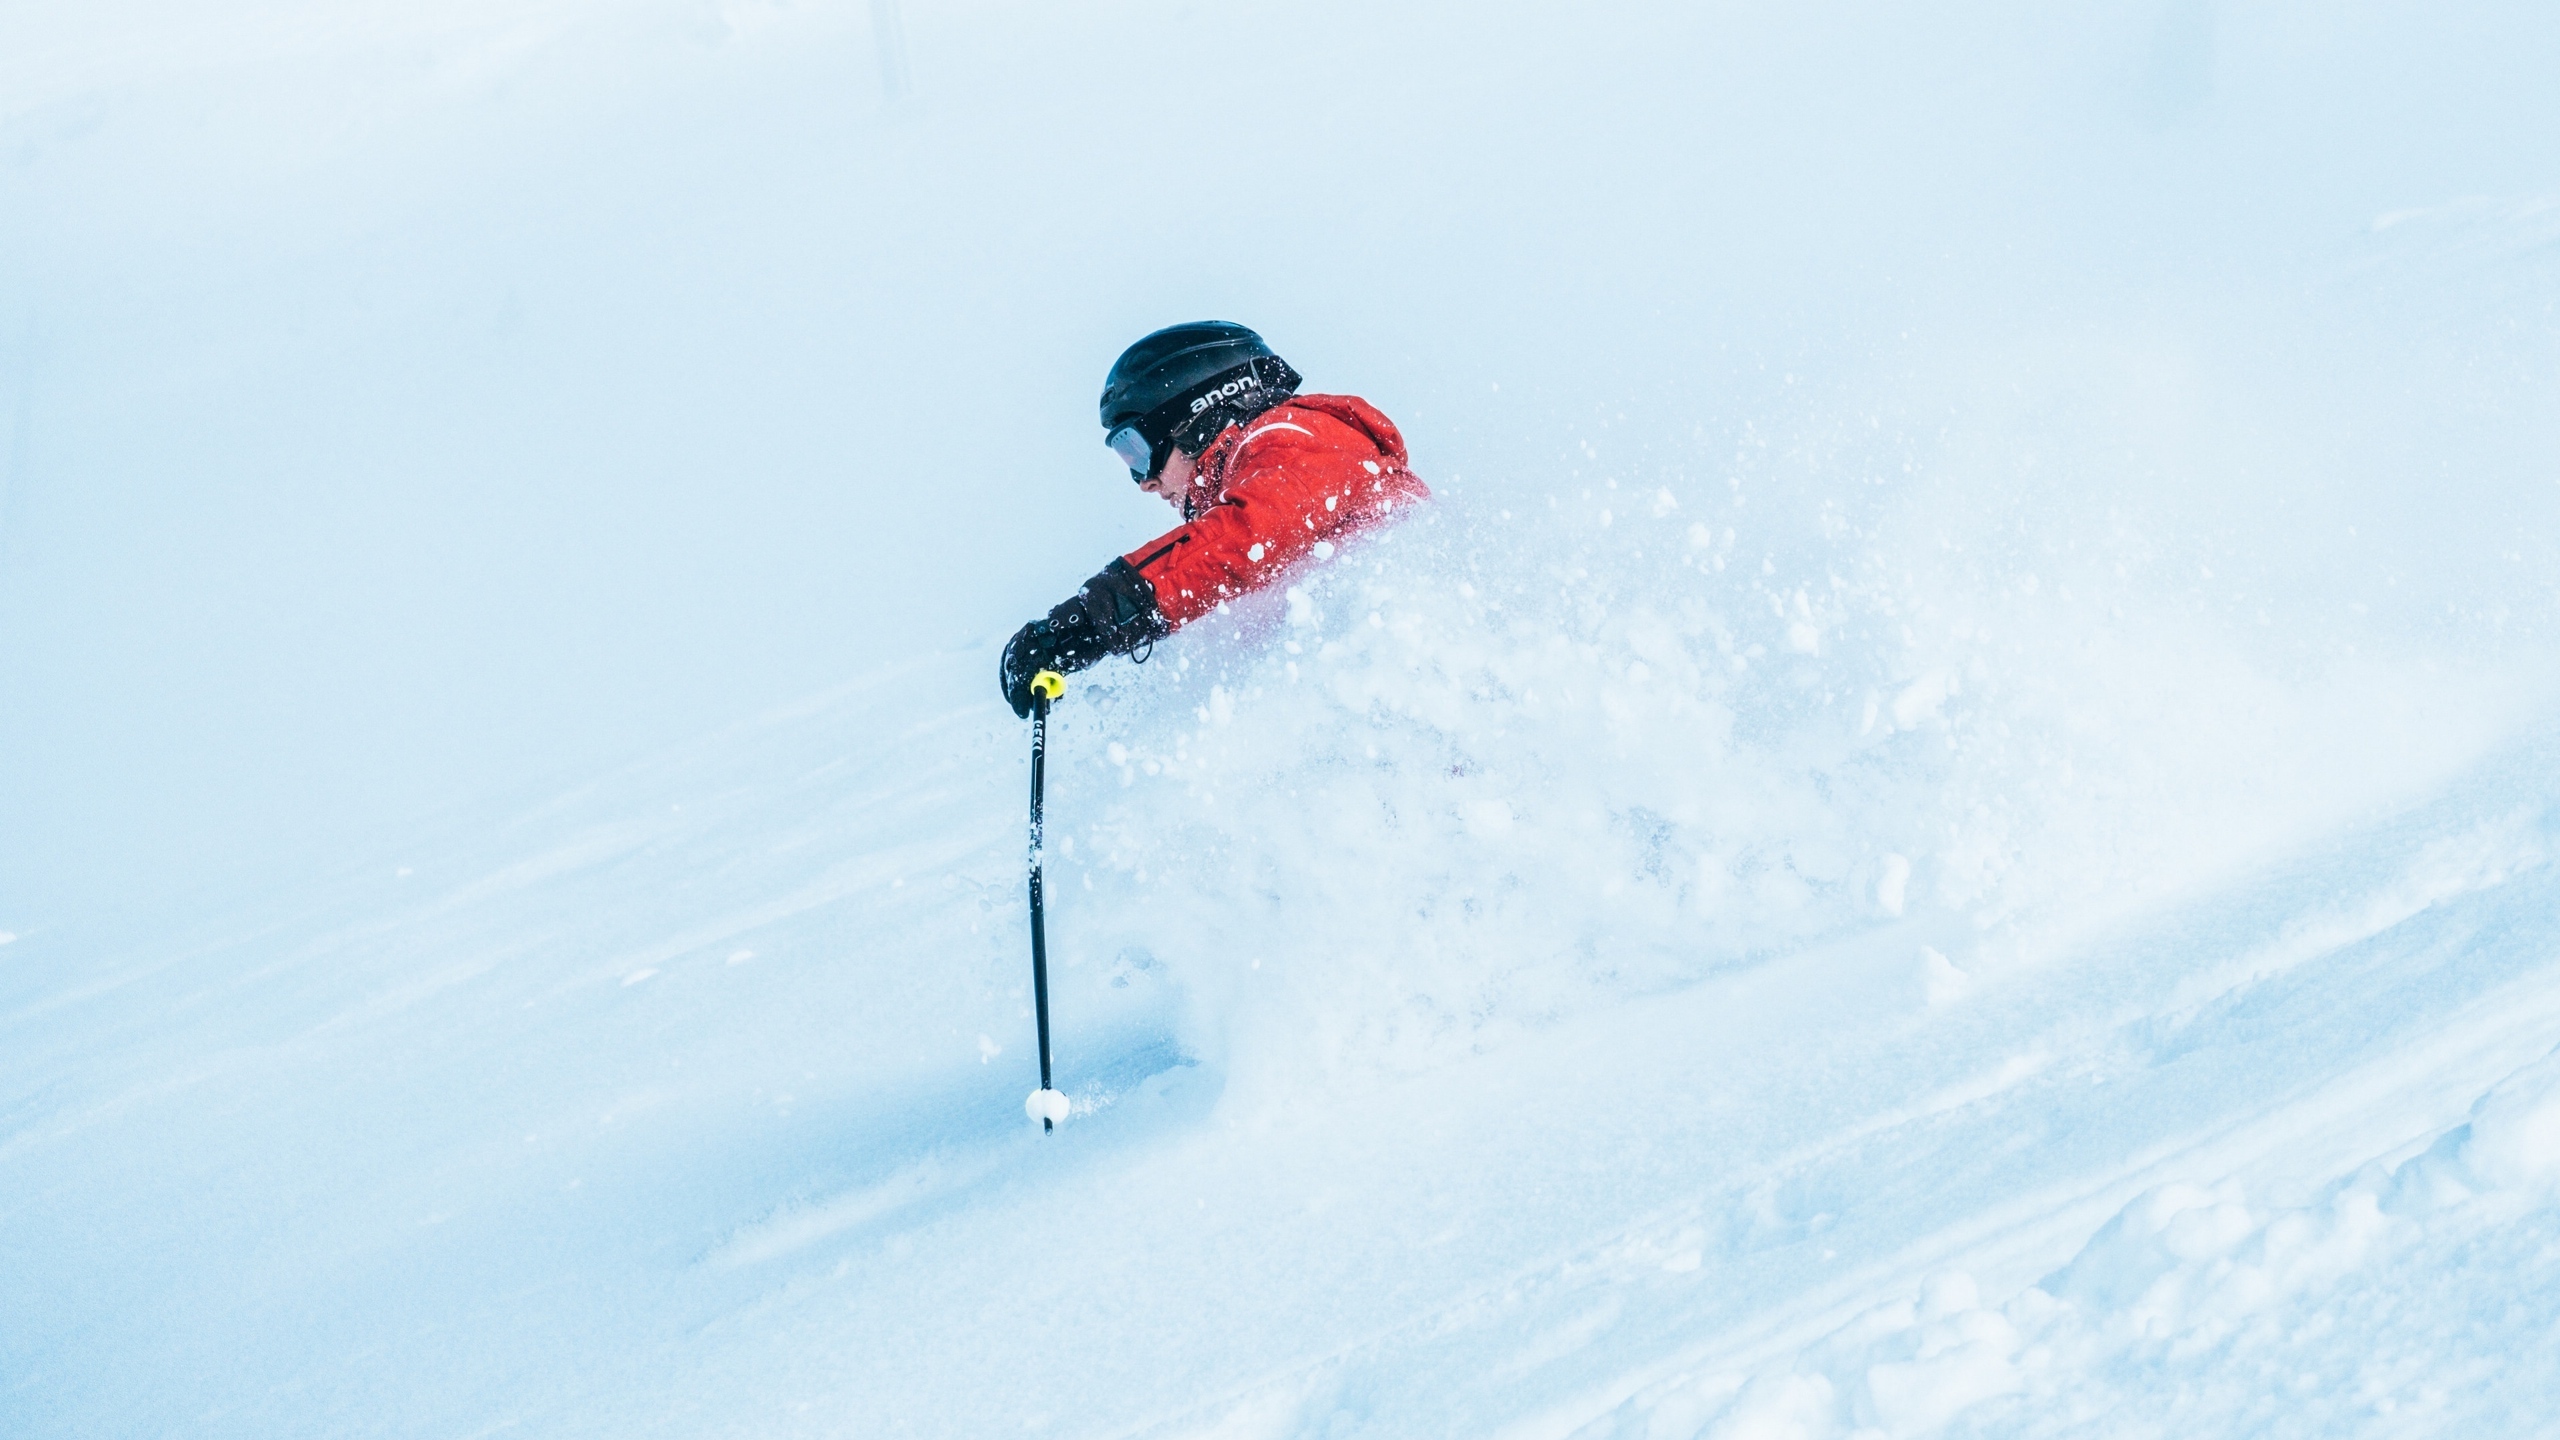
(1049, 684)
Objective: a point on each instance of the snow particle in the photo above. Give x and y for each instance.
(1920, 700)
(636, 976)
(1939, 977)
(1891, 885)
(741, 957)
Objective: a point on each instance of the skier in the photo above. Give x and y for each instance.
(1209, 420)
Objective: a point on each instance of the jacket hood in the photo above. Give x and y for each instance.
(1210, 486)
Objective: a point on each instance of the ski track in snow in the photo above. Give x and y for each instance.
(1976, 861)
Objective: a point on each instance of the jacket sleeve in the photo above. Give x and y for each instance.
(1290, 484)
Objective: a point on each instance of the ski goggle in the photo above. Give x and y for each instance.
(1134, 450)
(1264, 376)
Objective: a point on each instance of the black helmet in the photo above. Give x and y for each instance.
(1184, 384)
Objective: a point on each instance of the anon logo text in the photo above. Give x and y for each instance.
(1227, 391)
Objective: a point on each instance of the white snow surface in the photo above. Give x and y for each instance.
(1945, 827)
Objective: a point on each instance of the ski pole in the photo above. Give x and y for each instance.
(1045, 1103)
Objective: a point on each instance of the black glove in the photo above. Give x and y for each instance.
(1111, 614)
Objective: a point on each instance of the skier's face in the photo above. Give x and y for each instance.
(1173, 482)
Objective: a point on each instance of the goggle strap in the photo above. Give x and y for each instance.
(1271, 377)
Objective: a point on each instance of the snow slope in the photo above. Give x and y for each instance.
(1946, 828)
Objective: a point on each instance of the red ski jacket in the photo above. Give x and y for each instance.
(1314, 467)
